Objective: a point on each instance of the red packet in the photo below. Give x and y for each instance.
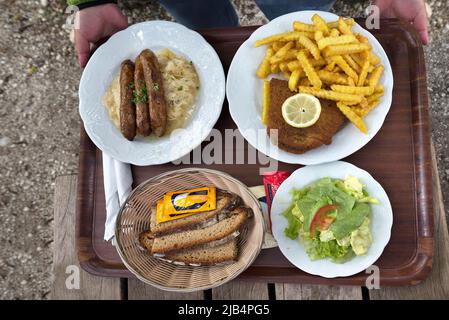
(271, 182)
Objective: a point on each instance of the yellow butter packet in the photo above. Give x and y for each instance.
(183, 203)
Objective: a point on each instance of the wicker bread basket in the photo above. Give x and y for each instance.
(133, 219)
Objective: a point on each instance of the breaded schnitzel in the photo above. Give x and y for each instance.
(300, 140)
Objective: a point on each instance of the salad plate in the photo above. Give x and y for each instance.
(331, 220)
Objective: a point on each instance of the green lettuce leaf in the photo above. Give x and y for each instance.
(346, 222)
(294, 224)
(317, 249)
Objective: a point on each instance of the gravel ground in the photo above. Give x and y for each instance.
(39, 122)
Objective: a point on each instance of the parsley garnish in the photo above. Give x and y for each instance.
(142, 97)
(155, 86)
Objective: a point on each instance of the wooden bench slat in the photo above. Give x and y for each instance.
(64, 253)
(288, 291)
(137, 290)
(436, 286)
(240, 290)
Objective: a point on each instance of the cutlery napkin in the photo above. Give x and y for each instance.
(117, 186)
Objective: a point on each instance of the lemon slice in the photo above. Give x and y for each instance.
(301, 110)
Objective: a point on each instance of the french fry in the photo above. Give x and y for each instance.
(318, 35)
(286, 36)
(294, 79)
(351, 82)
(364, 55)
(337, 69)
(296, 35)
(283, 66)
(374, 97)
(366, 91)
(330, 66)
(361, 39)
(264, 68)
(277, 45)
(309, 45)
(309, 71)
(375, 76)
(273, 38)
(332, 78)
(331, 95)
(299, 26)
(363, 111)
(343, 49)
(324, 42)
(334, 32)
(305, 82)
(279, 55)
(334, 24)
(265, 101)
(358, 110)
(274, 68)
(373, 59)
(345, 67)
(343, 27)
(361, 61)
(363, 73)
(286, 74)
(318, 63)
(364, 103)
(379, 89)
(352, 116)
(372, 105)
(352, 63)
(358, 59)
(320, 24)
(293, 65)
(289, 55)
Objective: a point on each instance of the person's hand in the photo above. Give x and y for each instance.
(413, 11)
(94, 24)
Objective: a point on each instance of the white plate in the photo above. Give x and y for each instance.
(245, 101)
(293, 250)
(104, 65)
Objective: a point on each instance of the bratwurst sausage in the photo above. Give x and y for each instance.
(127, 107)
(141, 100)
(155, 91)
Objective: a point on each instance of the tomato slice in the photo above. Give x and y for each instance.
(321, 220)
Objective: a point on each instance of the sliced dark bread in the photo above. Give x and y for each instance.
(206, 254)
(228, 227)
(226, 202)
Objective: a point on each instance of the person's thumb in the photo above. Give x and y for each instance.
(421, 25)
(82, 46)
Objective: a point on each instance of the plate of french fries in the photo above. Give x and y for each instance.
(316, 53)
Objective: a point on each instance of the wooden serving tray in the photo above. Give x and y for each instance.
(398, 157)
